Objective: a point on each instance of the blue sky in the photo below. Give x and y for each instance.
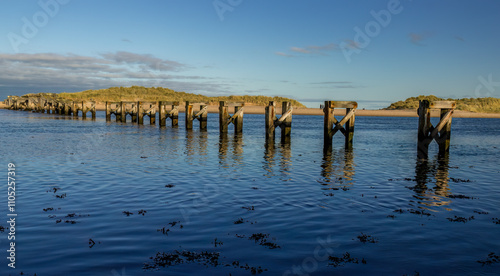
(308, 50)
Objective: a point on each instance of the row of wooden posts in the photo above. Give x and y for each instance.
(137, 110)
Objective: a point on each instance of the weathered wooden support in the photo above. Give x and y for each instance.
(89, 106)
(332, 126)
(164, 113)
(148, 109)
(284, 122)
(128, 108)
(225, 119)
(113, 108)
(201, 115)
(427, 132)
(188, 111)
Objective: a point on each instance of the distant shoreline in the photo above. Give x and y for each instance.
(318, 112)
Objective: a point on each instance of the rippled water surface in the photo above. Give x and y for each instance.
(98, 198)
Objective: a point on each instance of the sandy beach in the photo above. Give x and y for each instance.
(319, 112)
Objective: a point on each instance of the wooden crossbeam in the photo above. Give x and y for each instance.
(340, 125)
(235, 116)
(435, 131)
(197, 115)
(279, 122)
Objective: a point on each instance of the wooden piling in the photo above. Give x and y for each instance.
(173, 113)
(189, 115)
(238, 120)
(286, 124)
(223, 117)
(332, 126)
(269, 121)
(427, 132)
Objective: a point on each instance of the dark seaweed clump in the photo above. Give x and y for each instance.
(492, 258)
(346, 258)
(460, 219)
(262, 239)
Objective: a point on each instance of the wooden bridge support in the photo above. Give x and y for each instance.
(201, 115)
(128, 108)
(427, 132)
(173, 113)
(146, 109)
(113, 108)
(331, 125)
(284, 122)
(225, 119)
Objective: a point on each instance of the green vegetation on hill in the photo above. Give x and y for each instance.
(483, 105)
(139, 93)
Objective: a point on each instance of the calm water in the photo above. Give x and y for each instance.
(218, 206)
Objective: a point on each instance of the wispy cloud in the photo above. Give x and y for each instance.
(49, 72)
(459, 38)
(336, 84)
(417, 38)
(126, 40)
(310, 50)
(283, 54)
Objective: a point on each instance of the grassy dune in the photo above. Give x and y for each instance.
(139, 93)
(481, 105)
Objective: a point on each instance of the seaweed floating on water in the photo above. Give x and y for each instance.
(163, 259)
(460, 219)
(496, 220)
(367, 238)
(262, 239)
(54, 189)
(48, 209)
(481, 212)
(458, 180)
(399, 211)
(346, 258)
(127, 213)
(460, 196)
(61, 196)
(142, 212)
(239, 221)
(251, 208)
(217, 242)
(170, 185)
(418, 212)
(492, 258)
(2, 228)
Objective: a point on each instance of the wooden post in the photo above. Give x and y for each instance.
(123, 112)
(152, 113)
(75, 109)
(203, 117)
(270, 117)
(286, 125)
(424, 124)
(444, 134)
(140, 113)
(328, 123)
(162, 114)
(174, 114)
(238, 121)
(189, 115)
(92, 109)
(349, 129)
(108, 112)
(223, 117)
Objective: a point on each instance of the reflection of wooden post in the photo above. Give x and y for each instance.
(223, 117)
(286, 124)
(189, 115)
(270, 116)
(238, 121)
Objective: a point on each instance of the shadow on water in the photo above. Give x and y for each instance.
(428, 173)
(284, 153)
(337, 169)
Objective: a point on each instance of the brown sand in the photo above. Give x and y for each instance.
(341, 112)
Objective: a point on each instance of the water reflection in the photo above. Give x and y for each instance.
(196, 146)
(337, 169)
(284, 153)
(428, 172)
(236, 151)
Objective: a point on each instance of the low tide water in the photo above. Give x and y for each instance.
(106, 198)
